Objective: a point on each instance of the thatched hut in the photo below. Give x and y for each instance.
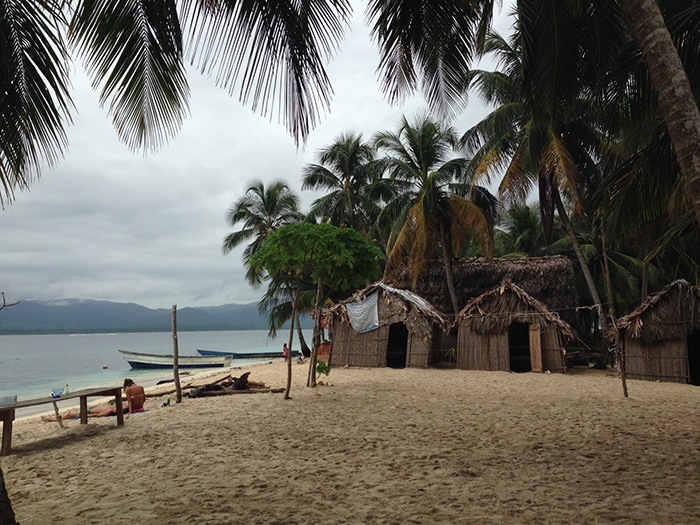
(550, 280)
(384, 326)
(661, 338)
(507, 329)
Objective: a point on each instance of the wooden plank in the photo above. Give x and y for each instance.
(535, 348)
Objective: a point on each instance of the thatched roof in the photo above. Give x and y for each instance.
(492, 312)
(549, 279)
(670, 314)
(408, 301)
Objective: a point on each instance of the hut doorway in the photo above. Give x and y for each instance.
(694, 357)
(519, 347)
(397, 346)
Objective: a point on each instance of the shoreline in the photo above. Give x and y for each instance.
(150, 386)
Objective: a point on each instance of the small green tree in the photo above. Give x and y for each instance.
(322, 253)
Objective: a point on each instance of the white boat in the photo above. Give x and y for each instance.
(142, 360)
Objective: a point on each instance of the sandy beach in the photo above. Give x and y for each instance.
(375, 446)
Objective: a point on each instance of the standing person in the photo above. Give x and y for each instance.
(285, 351)
(135, 396)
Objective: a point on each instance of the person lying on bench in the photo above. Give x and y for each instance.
(135, 399)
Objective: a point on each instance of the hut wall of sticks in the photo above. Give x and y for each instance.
(405, 329)
(661, 338)
(507, 329)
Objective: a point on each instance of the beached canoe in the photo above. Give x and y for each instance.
(142, 360)
(245, 355)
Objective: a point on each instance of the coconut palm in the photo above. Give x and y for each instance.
(429, 217)
(537, 143)
(351, 178)
(519, 233)
(668, 75)
(261, 210)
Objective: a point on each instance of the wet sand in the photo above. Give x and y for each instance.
(375, 446)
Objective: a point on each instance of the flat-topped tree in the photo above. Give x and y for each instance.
(334, 258)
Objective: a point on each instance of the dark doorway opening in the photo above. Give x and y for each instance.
(397, 346)
(694, 357)
(519, 347)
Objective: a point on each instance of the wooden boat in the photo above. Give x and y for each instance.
(142, 360)
(245, 355)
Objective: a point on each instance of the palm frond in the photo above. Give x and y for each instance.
(428, 45)
(35, 103)
(272, 52)
(134, 50)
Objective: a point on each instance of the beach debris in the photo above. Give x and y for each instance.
(233, 385)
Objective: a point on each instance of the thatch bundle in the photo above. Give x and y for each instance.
(549, 279)
(492, 312)
(672, 313)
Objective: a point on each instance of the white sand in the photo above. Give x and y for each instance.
(376, 446)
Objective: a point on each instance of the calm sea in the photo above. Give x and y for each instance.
(31, 365)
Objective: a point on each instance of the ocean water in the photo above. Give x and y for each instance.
(32, 365)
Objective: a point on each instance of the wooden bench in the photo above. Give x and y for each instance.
(7, 413)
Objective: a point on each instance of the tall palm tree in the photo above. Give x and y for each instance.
(352, 181)
(541, 143)
(261, 210)
(429, 216)
(676, 101)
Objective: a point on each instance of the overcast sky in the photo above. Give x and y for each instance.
(108, 224)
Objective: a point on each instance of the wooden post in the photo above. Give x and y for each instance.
(58, 415)
(176, 367)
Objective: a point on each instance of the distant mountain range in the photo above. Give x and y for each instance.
(88, 316)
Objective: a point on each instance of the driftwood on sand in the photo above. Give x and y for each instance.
(233, 385)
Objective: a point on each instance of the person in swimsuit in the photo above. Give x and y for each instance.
(135, 396)
(135, 399)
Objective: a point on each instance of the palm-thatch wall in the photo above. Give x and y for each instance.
(550, 280)
(400, 312)
(662, 337)
(507, 324)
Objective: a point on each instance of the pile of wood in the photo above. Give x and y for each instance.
(233, 385)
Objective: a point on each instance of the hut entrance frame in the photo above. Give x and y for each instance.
(397, 346)
(694, 357)
(524, 347)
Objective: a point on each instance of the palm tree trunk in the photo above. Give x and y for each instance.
(619, 354)
(449, 274)
(291, 338)
(7, 515)
(302, 342)
(675, 97)
(582, 262)
(311, 380)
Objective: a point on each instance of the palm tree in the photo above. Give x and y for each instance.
(429, 216)
(261, 210)
(545, 143)
(519, 233)
(675, 96)
(352, 181)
